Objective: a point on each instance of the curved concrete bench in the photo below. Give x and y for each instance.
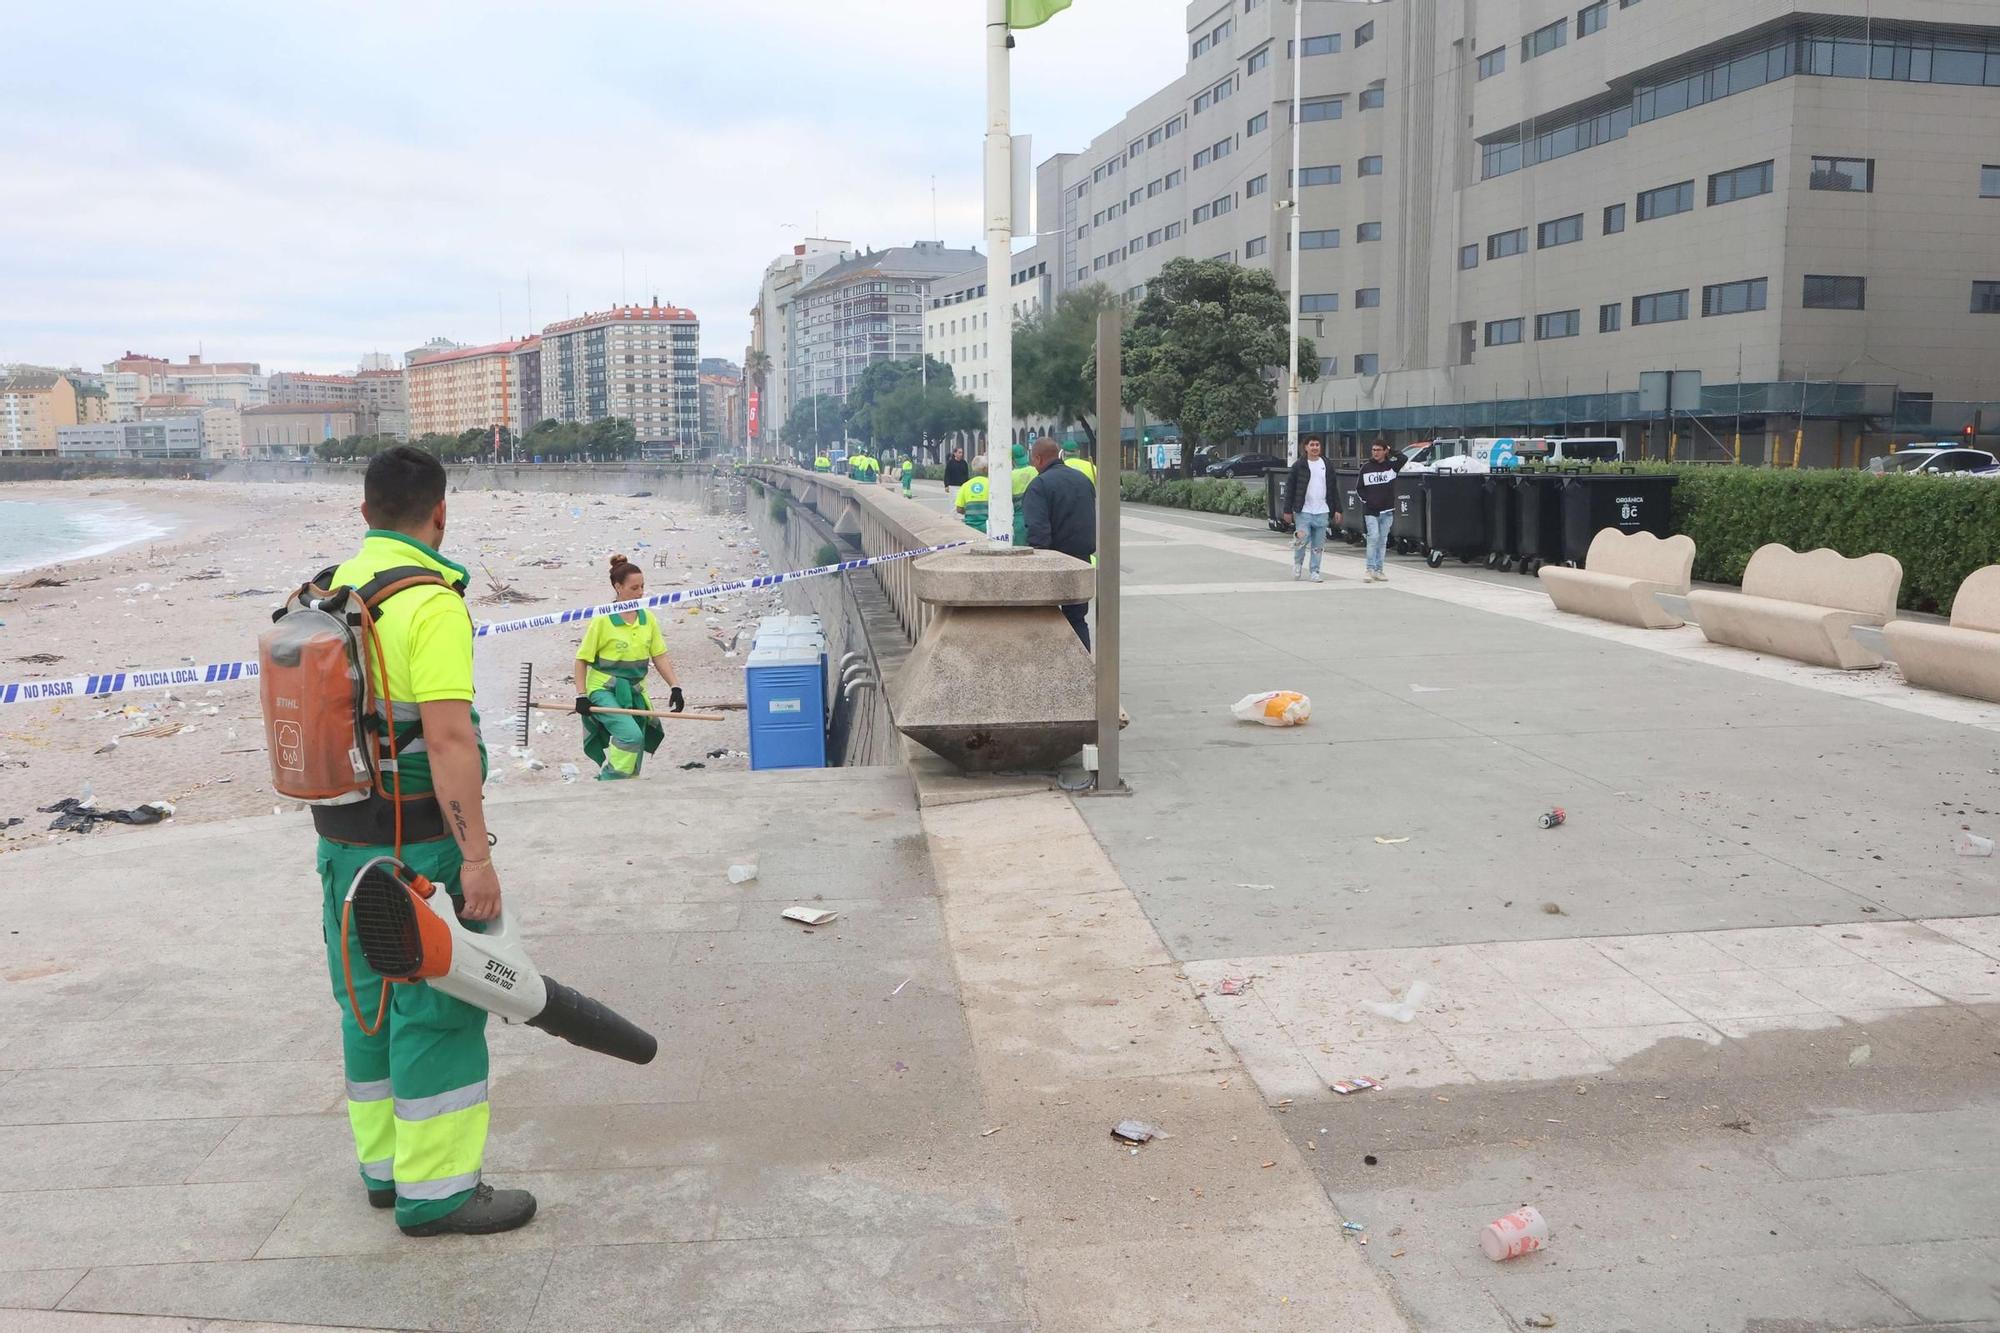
(1962, 657)
(1620, 574)
(1801, 605)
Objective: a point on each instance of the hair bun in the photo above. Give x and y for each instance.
(617, 560)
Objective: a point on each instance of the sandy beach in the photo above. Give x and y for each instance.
(204, 592)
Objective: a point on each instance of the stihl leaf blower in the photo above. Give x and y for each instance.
(409, 932)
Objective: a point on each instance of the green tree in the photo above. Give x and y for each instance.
(882, 380)
(1055, 359)
(913, 412)
(803, 438)
(1200, 349)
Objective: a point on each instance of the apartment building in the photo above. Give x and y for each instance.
(384, 397)
(1510, 212)
(772, 329)
(289, 388)
(34, 406)
(470, 388)
(633, 361)
(869, 307)
(135, 377)
(959, 328)
(528, 374)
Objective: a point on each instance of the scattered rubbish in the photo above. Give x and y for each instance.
(989, 1133)
(742, 872)
(1520, 1232)
(44, 582)
(1273, 708)
(1555, 818)
(1253, 886)
(1354, 1228)
(1134, 1131)
(544, 727)
(1740, 1126)
(107, 747)
(811, 916)
(900, 1067)
(1540, 1321)
(82, 816)
(1430, 689)
(1369, 1160)
(1231, 986)
(249, 592)
(1858, 1056)
(1347, 1087)
(1554, 909)
(693, 763)
(6, 824)
(1268, 1165)
(1391, 842)
(568, 772)
(1405, 1009)
(40, 659)
(899, 988)
(1972, 844)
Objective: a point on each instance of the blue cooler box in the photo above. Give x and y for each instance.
(785, 685)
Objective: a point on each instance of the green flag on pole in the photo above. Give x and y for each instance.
(1033, 13)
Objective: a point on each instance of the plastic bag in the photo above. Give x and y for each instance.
(1273, 708)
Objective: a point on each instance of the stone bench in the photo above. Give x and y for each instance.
(1620, 575)
(1801, 605)
(1962, 657)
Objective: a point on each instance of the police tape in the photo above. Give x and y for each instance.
(99, 685)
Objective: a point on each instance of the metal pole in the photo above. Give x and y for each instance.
(1110, 371)
(999, 254)
(1292, 381)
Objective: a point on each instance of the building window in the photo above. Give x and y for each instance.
(1824, 292)
(1153, 139)
(1371, 99)
(1989, 182)
(1200, 214)
(1201, 158)
(1544, 40)
(1986, 298)
(1563, 231)
(1173, 230)
(1502, 332)
(1468, 256)
(1559, 324)
(1614, 219)
(1592, 18)
(1371, 165)
(1137, 196)
(1659, 308)
(1666, 201)
(1726, 187)
(1364, 34)
(1255, 186)
(1255, 246)
(1258, 124)
(1492, 62)
(1501, 244)
(1610, 318)
(1174, 178)
(1259, 60)
(1847, 175)
(1313, 303)
(1175, 126)
(1733, 298)
(1367, 363)
(1328, 239)
(1368, 231)
(1199, 47)
(1368, 298)
(1316, 176)
(1329, 366)
(1318, 46)
(1319, 108)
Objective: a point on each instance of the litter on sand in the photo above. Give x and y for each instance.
(1972, 844)
(1232, 986)
(811, 916)
(1859, 1056)
(1540, 1321)
(1520, 1232)
(1391, 842)
(1347, 1087)
(1555, 818)
(1134, 1131)
(75, 816)
(742, 872)
(1354, 1228)
(1273, 708)
(1405, 1009)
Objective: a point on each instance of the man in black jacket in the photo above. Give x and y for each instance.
(1060, 510)
(1310, 493)
(1378, 504)
(955, 472)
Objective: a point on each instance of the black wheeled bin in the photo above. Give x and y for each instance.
(1274, 501)
(1350, 507)
(1538, 531)
(1503, 535)
(1406, 531)
(1627, 501)
(1454, 516)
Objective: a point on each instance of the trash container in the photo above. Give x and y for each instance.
(1503, 536)
(1406, 530)
(1350, 507)
(1626, 501)
(1454, 516)
(1538, 535)
(1274, 501)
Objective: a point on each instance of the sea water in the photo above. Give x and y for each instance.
(45, 532)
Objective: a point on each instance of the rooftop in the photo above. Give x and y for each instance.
(924, 259)
(29, 381)
(466, 353)
(655, 311)
(292, 409)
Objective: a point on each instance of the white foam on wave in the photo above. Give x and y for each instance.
(85, 530)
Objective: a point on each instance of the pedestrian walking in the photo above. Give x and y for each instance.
(955, 472)
(1307, 507)
(1059, 513)
(1378, 504)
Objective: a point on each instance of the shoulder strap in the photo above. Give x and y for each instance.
(392, 581)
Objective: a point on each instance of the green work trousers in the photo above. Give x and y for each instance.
(416, 1089)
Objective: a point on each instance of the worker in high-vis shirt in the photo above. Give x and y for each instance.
(611, 667)
(1071, 458)
(909, 475)
(1022, 477)
(822, 464)
(972, 495)
(416, 1084)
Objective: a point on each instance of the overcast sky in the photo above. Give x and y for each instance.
(297, 182)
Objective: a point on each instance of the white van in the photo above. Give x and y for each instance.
(1571, 449)
(1479, 454)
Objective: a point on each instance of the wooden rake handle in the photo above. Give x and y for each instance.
(632, 712)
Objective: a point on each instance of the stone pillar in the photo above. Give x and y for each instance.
(1000, 607)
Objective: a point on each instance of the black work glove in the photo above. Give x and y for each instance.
(676, 701)
(583, 705)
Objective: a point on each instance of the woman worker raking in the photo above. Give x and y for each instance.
(611, 673)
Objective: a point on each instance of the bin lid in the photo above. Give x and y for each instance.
(784, 653)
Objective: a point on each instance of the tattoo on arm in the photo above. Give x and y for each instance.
(458, 820)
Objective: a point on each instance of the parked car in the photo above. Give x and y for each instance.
(1245, 465)
(1938, 460)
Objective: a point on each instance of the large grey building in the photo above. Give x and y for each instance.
(869, 307)
(162, 437)
(629, 361)
(1511, 210)
(771, 330)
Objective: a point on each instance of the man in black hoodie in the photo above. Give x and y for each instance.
(955, 472)
(1378, 504)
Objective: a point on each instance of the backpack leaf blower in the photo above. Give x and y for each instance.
(410, 932)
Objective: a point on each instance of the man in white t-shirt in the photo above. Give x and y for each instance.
(1308, 495)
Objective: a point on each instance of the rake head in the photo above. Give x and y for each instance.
(525, 701)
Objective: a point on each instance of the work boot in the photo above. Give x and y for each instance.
(383, 1198)
(486, 1212)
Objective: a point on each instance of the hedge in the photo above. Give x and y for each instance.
(1209, 495)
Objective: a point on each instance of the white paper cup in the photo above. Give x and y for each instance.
(1518, 1233)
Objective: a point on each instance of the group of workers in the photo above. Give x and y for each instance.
(974, 493)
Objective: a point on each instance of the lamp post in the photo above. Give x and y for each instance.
(999, 255)
(1292, 203)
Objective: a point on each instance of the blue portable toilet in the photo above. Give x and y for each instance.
(785, 686)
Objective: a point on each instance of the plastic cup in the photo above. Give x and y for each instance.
(1518, 1233)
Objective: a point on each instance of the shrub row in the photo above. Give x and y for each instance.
(1209, 495)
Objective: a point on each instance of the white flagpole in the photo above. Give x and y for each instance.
(999, 256)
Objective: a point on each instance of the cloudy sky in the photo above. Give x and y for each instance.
(299, 182)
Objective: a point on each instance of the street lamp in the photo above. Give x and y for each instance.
(1292, 203)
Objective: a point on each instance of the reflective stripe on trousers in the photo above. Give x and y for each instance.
(440, 1141)
(371, 1114)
